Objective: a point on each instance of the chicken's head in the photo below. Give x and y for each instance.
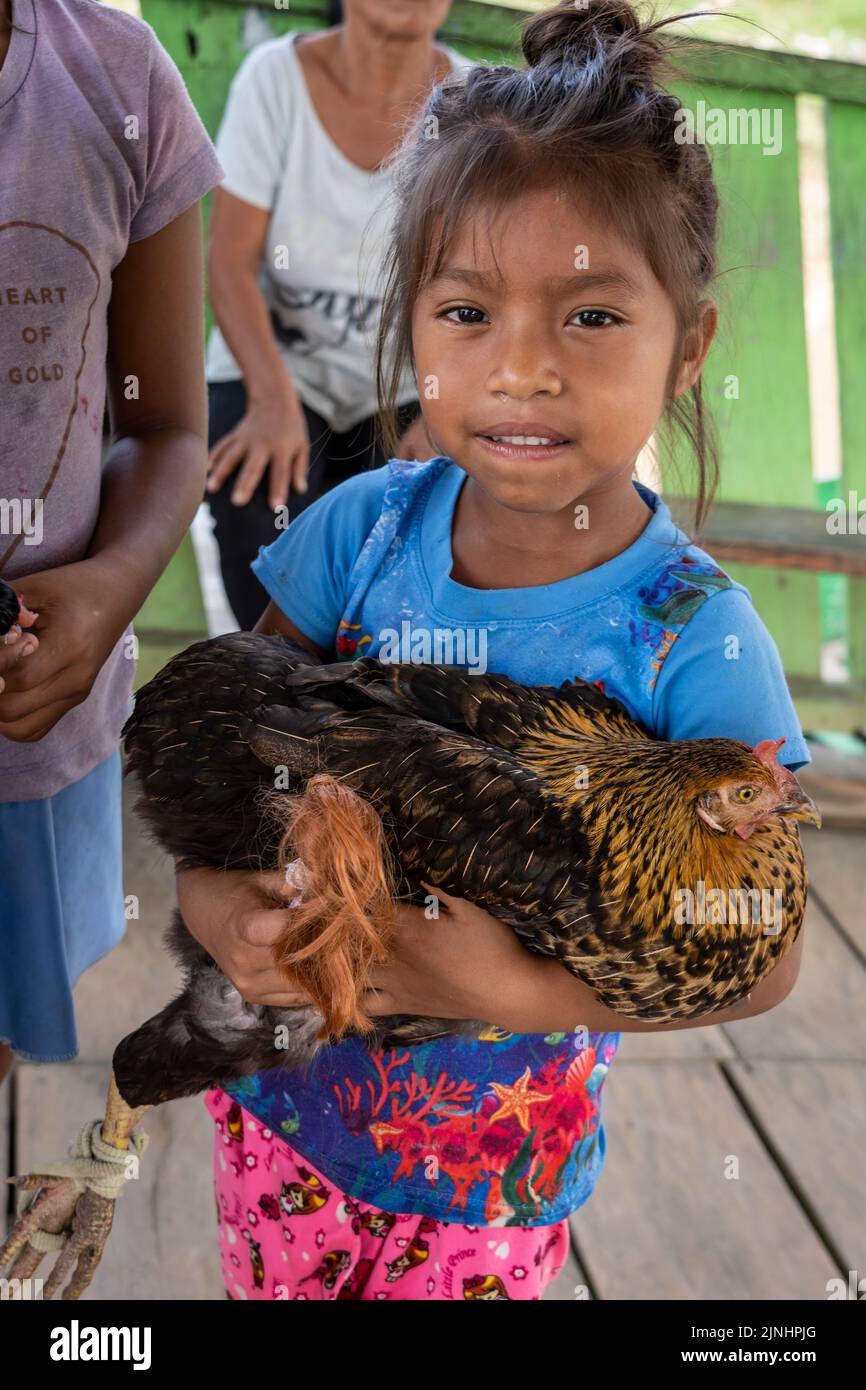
(9, 606)
(765, 789)
(13, 612)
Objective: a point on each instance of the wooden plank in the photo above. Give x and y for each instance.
(666, 1223)
(800, 1106)
(835, 861)
(837, 785)
(784, 537)
(682, 1044)
(773, 70)
(823, 1017)
(163, 1243)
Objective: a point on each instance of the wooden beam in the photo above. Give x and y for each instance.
(783, 537)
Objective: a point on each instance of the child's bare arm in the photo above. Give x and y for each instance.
(552, 1000)
(152, 482)
(274, 620)
(467, 964)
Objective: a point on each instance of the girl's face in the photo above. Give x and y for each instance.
(582, 354)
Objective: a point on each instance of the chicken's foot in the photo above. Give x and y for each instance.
(74, 1201)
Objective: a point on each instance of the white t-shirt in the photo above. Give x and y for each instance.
(321, 275)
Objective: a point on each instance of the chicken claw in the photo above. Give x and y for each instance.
(73, 1206)
(63, 1218)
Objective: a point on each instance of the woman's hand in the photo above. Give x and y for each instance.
(272, 434)
(81, 617)
(462, 964)
(415, 443)
(232, 914)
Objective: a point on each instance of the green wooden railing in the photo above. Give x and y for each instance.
(765, 430)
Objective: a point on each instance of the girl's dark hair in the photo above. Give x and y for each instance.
(586, 112)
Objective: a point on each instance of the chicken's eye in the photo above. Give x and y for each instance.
(745, 793)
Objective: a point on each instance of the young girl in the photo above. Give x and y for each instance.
(552, 248)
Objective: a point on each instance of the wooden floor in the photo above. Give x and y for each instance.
(735, 1155)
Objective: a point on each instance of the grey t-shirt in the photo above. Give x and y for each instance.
(100, 146)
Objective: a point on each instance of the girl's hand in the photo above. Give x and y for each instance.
(232, 913)
(81, 617)
(415, 443)
(462, 964)
(273, 434)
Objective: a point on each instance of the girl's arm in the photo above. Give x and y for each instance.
(152, 481)
(547, 999)
(153, 477)
(274, 620)
(468, 964)
(273, 433)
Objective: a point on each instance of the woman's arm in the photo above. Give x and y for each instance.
(273, 432)
(236, 247)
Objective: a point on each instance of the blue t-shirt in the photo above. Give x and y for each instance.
(506, 1128)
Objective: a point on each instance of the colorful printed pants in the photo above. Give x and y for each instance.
(286, 1232)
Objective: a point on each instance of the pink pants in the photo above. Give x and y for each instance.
(287, 1232)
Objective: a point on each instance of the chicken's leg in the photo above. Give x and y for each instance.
(74, 1203)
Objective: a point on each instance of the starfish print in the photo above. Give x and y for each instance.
(516, 1099)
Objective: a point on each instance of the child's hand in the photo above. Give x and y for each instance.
(230, 912)
(463, 964)
(14, 646)
(80, 620)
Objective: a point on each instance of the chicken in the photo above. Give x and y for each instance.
(550, 807)
(12, 610)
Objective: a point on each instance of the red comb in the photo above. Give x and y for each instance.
(767, 749)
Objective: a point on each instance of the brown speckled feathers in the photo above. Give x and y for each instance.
(478, 782)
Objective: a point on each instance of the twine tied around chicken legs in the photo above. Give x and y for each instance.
(93, 1164)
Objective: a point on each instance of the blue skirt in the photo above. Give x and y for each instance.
(61, 906)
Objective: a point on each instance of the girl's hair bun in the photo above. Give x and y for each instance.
(582, 31)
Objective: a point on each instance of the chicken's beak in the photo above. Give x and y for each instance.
(801, 807)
